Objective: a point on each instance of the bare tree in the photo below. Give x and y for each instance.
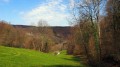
(113, 23)
(45, 33)
(88, 11)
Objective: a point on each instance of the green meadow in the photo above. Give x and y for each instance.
(18, 57)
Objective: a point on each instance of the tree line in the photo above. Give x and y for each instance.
(95, 36)
(39, 38)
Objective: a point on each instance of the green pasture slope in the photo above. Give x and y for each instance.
(18, 57)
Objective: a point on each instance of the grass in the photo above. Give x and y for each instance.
(18, 57)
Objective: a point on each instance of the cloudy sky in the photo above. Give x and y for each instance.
(25, 12)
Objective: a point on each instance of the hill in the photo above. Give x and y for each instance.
(60, 31)
(18, 57)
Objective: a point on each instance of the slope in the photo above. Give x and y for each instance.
(18, 57)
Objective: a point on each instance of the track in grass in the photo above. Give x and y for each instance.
(18, 57)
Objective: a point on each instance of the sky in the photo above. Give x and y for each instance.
(27, 12)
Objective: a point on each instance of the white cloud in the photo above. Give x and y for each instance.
(54, 12)
(72, 4)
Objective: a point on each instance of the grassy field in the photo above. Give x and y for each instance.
(18, 57)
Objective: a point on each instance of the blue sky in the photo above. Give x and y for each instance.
(27, 12)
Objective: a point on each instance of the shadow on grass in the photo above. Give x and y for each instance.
(57, 66)
(75, 59)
